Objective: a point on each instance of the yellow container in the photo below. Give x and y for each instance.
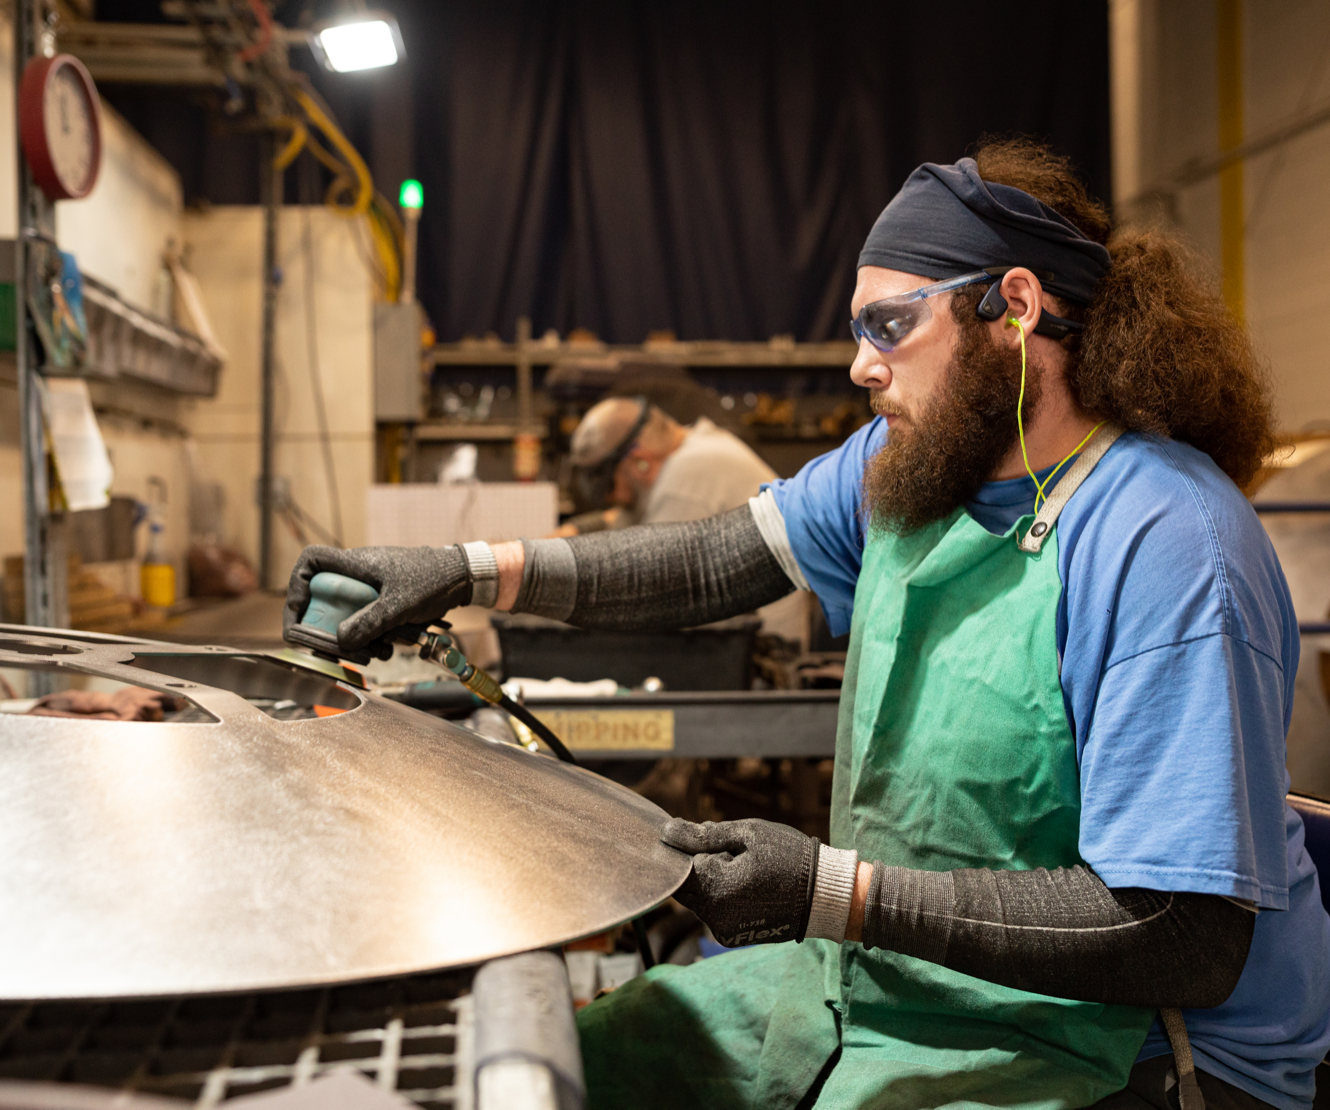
(157, 583)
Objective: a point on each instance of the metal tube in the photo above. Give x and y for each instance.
(524, 385)
(412, 217)
(1291, 506)
(45, 594)
(270, 183)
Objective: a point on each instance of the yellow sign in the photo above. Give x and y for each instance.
(612, 729)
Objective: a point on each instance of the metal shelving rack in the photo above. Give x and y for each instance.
(780, 356)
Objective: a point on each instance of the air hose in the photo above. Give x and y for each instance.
(536, 725)
(441, 649)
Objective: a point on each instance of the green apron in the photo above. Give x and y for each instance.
(953, 751)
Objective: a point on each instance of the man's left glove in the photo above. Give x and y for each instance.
(756, 882)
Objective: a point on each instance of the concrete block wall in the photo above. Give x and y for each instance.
(314, 245)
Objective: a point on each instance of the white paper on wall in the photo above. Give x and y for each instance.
(437, 515)
(81, 461)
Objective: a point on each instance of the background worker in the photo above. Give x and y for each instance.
(1058, 818)
(654, 470)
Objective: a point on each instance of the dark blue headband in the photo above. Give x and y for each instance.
(946, 221)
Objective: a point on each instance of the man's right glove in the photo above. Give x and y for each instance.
(417, 585)
(757, 882)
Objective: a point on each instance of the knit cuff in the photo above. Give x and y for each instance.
(833, 891)
(484, 571)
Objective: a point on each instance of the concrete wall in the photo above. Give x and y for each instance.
(118, 234)
(1166, 115)
(314, 245)
(1287, 66)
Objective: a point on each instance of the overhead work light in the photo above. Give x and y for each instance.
(358, 40)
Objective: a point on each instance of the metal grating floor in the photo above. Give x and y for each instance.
(411, 1035)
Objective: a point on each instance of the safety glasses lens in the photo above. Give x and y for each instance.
(886, 323)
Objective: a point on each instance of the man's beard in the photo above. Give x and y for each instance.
(951, 447)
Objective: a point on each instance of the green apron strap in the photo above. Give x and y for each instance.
(1042, 527)
(1189, 1090)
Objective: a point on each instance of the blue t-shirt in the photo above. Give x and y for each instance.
(1179, 647)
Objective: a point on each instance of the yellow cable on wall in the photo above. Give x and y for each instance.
(294, 145)
(365, 191)
(351, 179)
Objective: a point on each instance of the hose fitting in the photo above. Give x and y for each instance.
(442, 650)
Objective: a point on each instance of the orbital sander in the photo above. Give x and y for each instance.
(335, 597)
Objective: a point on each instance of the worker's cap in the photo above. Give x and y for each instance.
(608, 431)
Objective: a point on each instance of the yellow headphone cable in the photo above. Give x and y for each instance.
(1040, 495)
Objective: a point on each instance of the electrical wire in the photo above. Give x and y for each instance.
(357, 186)
(643, 943)
(363, 183)
(351, 192)
(301, 520)
(298, 141)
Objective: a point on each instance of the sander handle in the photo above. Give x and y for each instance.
(332, 599)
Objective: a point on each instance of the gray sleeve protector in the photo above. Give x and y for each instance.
(1064, 933)
(653, 576)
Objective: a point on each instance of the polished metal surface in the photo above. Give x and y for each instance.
(248, 851)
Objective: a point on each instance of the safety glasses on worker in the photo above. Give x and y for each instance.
(885, 323)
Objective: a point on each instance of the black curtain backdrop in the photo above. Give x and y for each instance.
(700, 166)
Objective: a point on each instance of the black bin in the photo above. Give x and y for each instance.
(714, 657)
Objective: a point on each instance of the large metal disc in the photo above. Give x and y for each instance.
(141, 859)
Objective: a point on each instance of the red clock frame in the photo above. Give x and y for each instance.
(32, 123)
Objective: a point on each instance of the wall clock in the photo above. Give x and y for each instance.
(60, 126)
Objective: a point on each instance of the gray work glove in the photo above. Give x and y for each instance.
(417, 585)
(752, 881)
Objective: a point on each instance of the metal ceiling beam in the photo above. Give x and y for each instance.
(157, 54)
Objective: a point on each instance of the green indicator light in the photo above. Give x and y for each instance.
(412, 194)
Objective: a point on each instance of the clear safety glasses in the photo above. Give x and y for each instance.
(885, 323)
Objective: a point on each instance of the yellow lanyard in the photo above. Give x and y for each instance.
(1039, 486)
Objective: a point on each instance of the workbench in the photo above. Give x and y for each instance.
(768, 724)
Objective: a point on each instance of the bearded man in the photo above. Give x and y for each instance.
(1061, 865)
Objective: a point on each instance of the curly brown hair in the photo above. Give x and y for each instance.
(1161, 353)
